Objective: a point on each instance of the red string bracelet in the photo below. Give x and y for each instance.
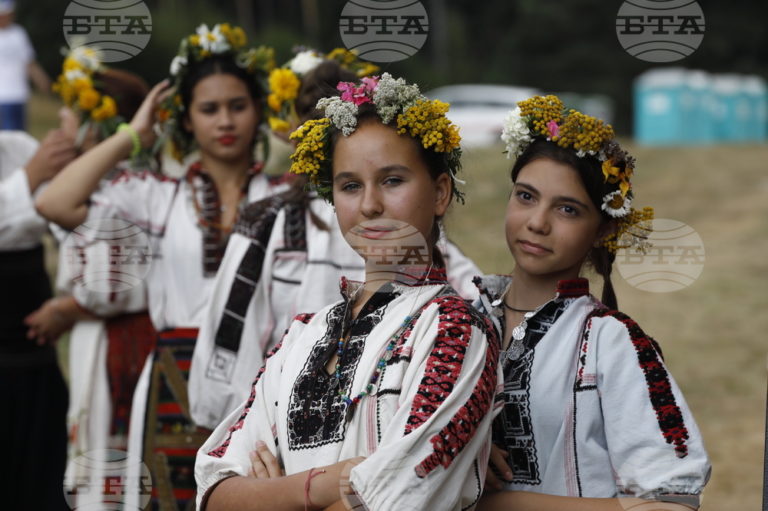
(307, 501)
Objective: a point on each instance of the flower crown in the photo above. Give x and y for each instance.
(285, 82)
(394, 100)
(545, 117)
(223, 39)
(77, 88)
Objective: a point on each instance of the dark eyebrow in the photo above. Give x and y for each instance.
(230, 100)
(561, 198)
(382, 170)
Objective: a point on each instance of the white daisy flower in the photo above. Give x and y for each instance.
(616, 205)
(305, 62)
(88, 58)
(177, 63)
(212, 40)
(74, 74)
(515, 134)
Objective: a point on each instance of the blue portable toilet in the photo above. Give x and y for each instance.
(732, 112)
(699, 126)
(662, 103)
(757, 95)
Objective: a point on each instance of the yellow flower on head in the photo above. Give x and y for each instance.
(278, 125)
(274, 102)
(284, 84)
(82, 84)
(194, 40)
(106, 110)
(426, 121)
(71, 64)
(88, 99)
(237, 38)
(609, 170)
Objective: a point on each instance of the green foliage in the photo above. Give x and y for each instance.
(548, 44)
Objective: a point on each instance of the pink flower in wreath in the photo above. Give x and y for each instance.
(554, 129)
(356, 95)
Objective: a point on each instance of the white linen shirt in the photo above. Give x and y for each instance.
(20, 226)
(177, 289)
(424, 430)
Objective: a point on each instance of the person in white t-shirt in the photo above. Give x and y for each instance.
(17, 67)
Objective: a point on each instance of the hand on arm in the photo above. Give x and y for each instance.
(64, 201)
(53, 318)
(54, 153)
(280, 492)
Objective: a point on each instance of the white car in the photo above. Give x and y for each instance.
(479, 110)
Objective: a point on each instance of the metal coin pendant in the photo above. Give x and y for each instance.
(519, 331)
(515, 350)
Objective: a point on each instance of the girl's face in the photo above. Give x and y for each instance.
(382, 187)
(551, 223)
(223, 117)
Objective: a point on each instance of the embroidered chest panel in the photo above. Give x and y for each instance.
(316, 413)
(514, 426)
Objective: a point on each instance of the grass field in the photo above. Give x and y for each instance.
(714, 332)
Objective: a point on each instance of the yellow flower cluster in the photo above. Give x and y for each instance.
(631, 230)
(310, 151)
(106, 110)
(76, 89)
(235, 35)
(542, 110)
(426, 121)
(278, 125)
(350, 60)
(583, 132)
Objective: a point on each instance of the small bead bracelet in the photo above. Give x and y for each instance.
(134, 138)
(307, 501)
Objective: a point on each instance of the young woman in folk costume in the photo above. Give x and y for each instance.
(215, 106)
(286, 254)
(399, 375)
(591, 418)
(111, 333)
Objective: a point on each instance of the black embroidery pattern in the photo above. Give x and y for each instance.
(316, 414)
(513, 428)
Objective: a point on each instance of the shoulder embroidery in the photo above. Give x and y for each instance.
(456, 319)
(668, 414)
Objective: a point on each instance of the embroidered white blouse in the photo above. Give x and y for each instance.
(177, 287)
(277, 264)
(424, 430)
(590, 409)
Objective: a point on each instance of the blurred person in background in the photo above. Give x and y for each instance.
(111, 333)
(33, 394)
(17, 67)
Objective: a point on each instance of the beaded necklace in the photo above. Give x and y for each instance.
(380, 365)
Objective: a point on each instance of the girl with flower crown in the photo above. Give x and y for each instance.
(286, 255)
(591, 418)
(214, 106)
(392, 384)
